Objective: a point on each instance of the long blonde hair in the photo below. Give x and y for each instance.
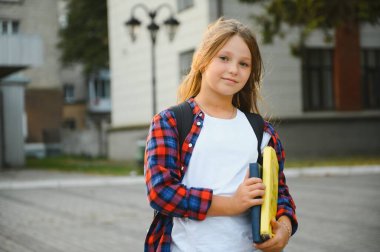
(214, 39)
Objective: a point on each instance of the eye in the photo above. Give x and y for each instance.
(243, 64)
(223, 58)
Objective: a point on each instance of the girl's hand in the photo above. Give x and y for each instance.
(278, 242)
(246, 193)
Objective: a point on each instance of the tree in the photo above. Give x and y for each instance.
(84, 39)
(341, 16)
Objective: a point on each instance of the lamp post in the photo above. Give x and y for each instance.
(171, 24)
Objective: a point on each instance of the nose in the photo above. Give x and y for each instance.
(233, 68)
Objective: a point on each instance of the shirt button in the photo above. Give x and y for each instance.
(190, 145)
(200, 114)
(182, 168)
(198, 123)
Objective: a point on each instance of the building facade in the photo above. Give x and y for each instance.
(43, 93)
(298, 92)
(20, 49)
(59, 105)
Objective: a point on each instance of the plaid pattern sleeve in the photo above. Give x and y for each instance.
(163, 173)
(285, 204)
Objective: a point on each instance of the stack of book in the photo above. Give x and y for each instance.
(262, 215)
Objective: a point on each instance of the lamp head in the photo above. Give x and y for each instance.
(171, 25)
(133, 24)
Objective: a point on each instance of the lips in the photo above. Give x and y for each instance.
(230, 80)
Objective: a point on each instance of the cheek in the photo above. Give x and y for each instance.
(214, 72)
(246, 76)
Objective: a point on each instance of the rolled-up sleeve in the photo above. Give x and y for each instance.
(165, 192)
(285, 204)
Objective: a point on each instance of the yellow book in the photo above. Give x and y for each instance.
(270, 180)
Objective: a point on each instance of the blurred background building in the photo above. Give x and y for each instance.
(298, 92)
(46, 109)
(86, 94)
(50, 108)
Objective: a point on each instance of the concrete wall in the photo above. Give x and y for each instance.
(346, 135)
(90, 141)
(125, 144)
(81, 142)
(12, 127)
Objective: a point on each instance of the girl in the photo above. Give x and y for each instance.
(201, 190)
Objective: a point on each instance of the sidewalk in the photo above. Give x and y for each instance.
(48, 211)
(29, 179)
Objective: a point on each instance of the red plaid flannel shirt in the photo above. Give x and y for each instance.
(165, 168)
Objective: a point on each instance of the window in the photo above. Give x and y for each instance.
(370, 71)
(69, 123)
(102, 88)
(317, 79)
(184, 4)
(185, 59)
(62, 14)
(99, 87)
(68, 92)
(62, 20)
(8, 27)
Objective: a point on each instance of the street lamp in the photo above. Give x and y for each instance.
(171, 25)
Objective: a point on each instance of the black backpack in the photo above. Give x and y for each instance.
(184, 117)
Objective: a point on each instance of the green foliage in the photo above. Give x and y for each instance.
(101, 166)
(85, 165)
(85, 38)
(309, 15)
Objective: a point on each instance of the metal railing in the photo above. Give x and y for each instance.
(19, 50)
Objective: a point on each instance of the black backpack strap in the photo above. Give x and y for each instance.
(184, 117)
(257, 123)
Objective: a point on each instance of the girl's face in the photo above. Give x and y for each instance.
(229, 70)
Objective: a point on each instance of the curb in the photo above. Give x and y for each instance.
(331, 171)
(134, 180)
(64, 183)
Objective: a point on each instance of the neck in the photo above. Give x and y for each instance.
(220, 107)
(216, 102)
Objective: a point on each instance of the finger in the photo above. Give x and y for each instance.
(246, 175)
(267, 244)
(253, 180)
(275, 225)
(256, 186)
(256, 202)
(256, 194)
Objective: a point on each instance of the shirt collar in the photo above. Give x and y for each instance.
(196, 109)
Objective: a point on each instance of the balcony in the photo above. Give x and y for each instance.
(99, 100)
(99, 105)
(18, 52)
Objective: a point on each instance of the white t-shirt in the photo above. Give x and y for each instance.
(219, 161)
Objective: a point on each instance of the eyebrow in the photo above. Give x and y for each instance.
(229, 52)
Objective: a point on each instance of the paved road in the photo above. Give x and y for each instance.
(336, 213)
